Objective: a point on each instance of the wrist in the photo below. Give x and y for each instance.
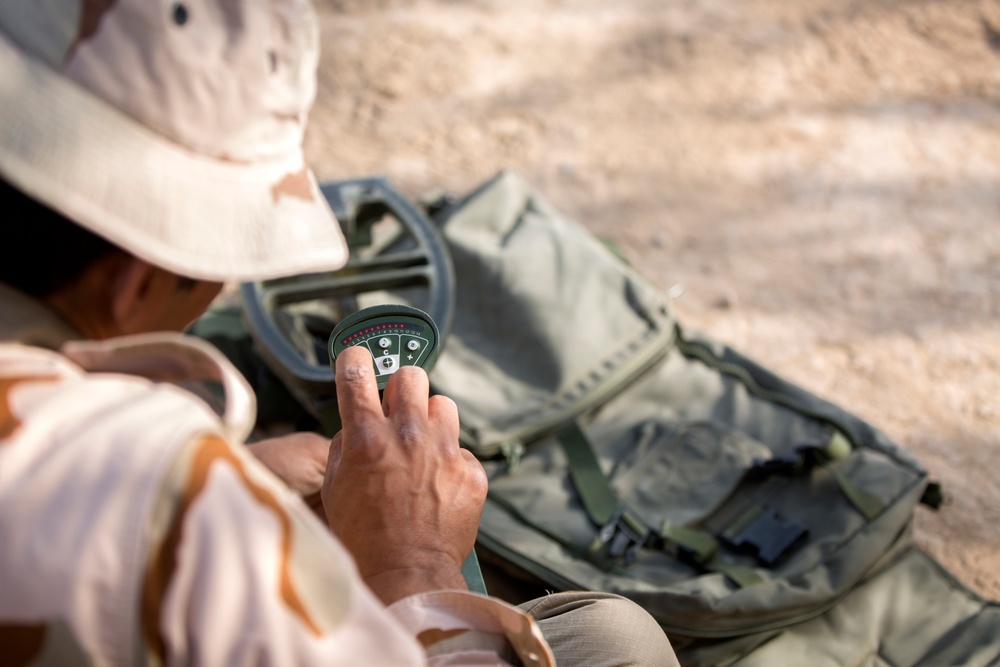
(396, 584)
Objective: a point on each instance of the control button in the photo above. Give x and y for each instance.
(384, 343)
(387, 362)
(413, 346)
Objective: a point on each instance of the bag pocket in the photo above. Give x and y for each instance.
(682, 472)
(549, 323)
(664, 472)
(699, 475)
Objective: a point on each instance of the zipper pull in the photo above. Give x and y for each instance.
(512, 452)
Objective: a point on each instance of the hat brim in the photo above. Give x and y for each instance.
(194, 215)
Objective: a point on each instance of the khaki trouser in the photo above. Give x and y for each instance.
(588, 629)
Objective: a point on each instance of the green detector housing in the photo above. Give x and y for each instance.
(396, 335)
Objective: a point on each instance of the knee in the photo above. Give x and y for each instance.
(600, 629)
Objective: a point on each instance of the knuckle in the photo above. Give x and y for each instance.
(410, 435)
(474, 468)
(443, 404)
(444, 413)
(409, 378)
(366, 443)
(354, 374)
(411, 372)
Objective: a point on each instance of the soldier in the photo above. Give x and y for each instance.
(149, 152)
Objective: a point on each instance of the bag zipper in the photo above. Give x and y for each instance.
(704, 353)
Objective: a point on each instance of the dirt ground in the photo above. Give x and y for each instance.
(817, 182)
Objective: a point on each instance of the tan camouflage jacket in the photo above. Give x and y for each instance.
(136, 529)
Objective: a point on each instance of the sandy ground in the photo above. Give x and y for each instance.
(817, 181)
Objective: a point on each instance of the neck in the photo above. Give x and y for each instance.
(87, 311)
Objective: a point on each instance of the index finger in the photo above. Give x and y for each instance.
(357, 389)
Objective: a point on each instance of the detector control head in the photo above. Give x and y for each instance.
(396, 335)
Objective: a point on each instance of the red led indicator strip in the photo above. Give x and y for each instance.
(369, 330)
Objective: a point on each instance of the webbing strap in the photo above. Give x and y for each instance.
(741, 575)
(474, 574)
(933, 496)
(591, 485)
(621, 534)
(837, 448)
(703, 549)
(699, 545)
(807, 457)
(611, 516)
(866, 503)
(567, 544)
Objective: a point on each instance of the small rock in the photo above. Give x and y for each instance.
(726, 301)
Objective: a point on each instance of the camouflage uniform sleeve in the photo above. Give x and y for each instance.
(240, 571)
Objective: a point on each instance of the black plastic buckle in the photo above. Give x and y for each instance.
(766, 535)
(802, 459)
(625, 535)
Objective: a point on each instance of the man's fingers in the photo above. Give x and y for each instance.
(357, 389)
(480, 478)
(407, 392)
(443, 411)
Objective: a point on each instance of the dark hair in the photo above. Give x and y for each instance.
(41, 250)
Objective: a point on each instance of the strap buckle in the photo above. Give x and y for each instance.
(802, 459)
(624, 534)
(761, 532)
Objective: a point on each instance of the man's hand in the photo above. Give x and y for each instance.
(399, 492)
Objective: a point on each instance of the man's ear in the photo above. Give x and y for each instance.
(131, 282)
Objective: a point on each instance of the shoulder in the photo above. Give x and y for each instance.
(127, 383)
(92, 439)
(84, 457)
(96, 440)
(47, 400)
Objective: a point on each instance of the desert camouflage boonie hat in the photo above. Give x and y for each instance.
(171, 127)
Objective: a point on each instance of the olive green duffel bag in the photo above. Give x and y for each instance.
(758, 523)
